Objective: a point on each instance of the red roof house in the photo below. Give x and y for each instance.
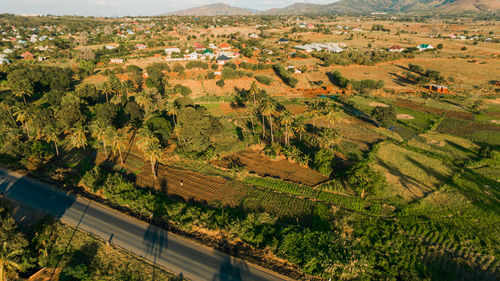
(27, 56)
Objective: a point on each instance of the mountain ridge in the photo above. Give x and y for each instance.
(348, 6)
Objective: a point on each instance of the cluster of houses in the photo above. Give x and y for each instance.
(330, 47)
(222, 53)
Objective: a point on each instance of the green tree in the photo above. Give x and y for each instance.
(116, 140)
(78, 137)
(22, 88)
(98, 130)
(7, 261)
(384, 115)
(268, 107)
(25, 115)
(286, 120)
(52, 135)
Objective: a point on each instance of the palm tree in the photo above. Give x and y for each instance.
(315, 109)
(116, 140)
(331, 116)
(172, 110)
(22, 88)
(146, 138)
(145, 101)
(153, 152)
(77, 136)
(52, 135)
(299, 127)
(269, 108)
(24, 114)
(98, 130)
(8, 109)
(107, 89)
(286, 120)
(327, 138)
(7, 263)
(254, 91)
(129, 87)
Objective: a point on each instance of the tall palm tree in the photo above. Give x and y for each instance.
(25, 115)
(78, 137)
(269, 106)
(116, 140)
(107, 89)
(52, 135)
(286, 120)
(253, 92)
(7, 263)
(153, 153)
(299, 127)
(98, 130)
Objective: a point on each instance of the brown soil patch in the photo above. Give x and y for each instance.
(378, 104)
(296, 108)
(255, 162)
(404, 116)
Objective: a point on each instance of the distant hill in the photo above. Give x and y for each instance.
(218, 9)
(367, 6)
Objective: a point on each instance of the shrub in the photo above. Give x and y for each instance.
(266, 80)
(285, 75)
(384, 115)
(337, 79)
(220, 83)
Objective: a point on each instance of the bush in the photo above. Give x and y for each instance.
(266, 80)
(183, 90)
(220, 83)
(384, 115)
(337, 79)
(285, 75)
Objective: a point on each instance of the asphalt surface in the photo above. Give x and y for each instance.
(177, 254)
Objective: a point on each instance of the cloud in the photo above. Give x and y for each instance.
(104, 3)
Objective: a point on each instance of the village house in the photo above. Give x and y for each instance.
(27, 56)
(224, 46)
(140, 46)
(424, 47)
(116, 61)
(4, 60)
(437, 88)
(330, 47)
(396, 49)
(283, 41)
(222, 59)
(171, 50)
(253, 35)
(198, 47)
(109, 47)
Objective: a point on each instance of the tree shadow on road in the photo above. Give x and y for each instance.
(231, 270)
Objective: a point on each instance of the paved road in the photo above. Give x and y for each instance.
(168, 250)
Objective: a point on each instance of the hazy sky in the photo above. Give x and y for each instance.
(129, 7)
